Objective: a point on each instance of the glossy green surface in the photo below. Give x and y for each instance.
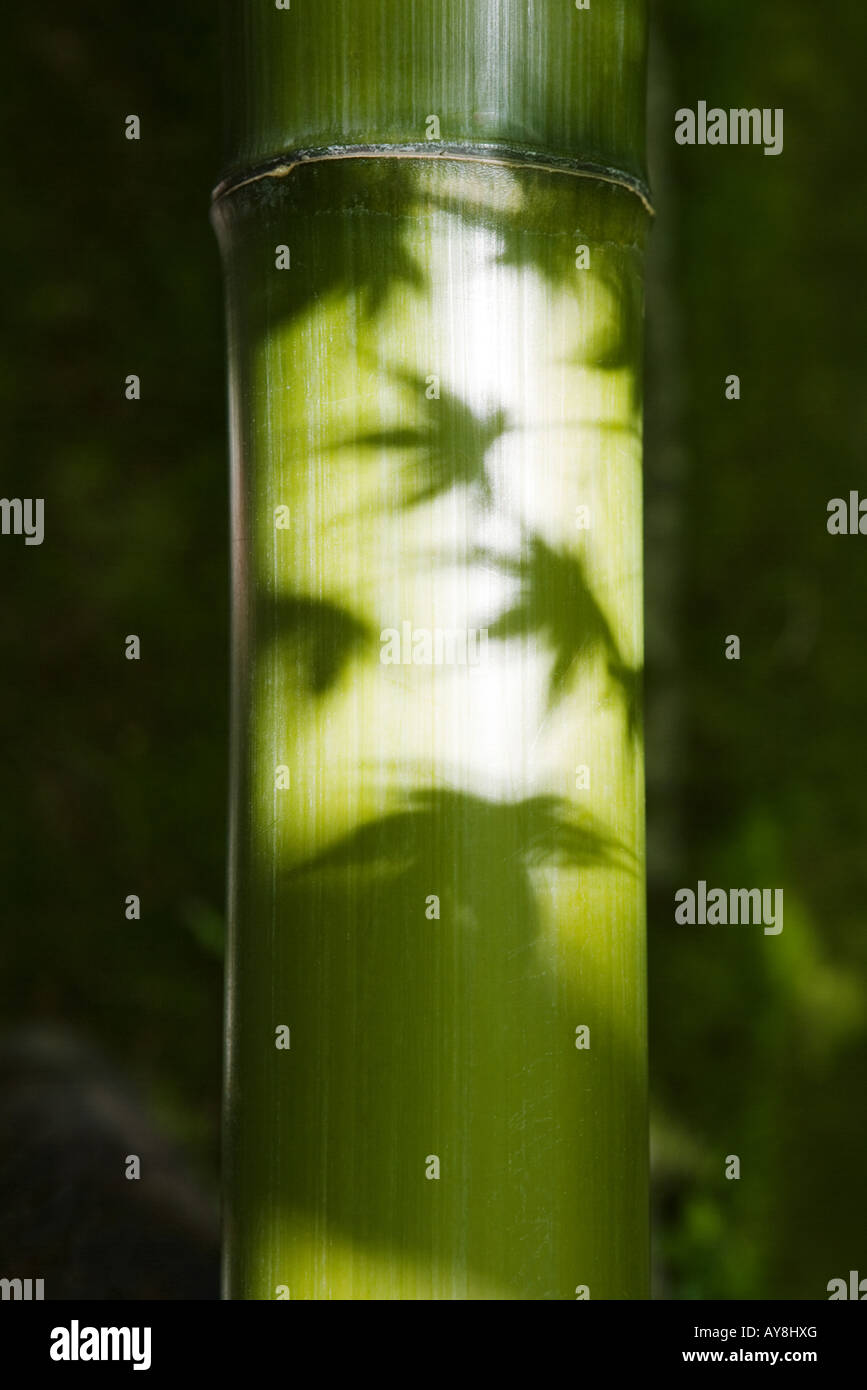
(425, 890)
(538, 74)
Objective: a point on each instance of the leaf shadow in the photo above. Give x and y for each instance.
(450, 445)
(322, 638)
(556, 603)
(449, 1030)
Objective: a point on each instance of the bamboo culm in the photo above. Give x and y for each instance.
(436, 1058)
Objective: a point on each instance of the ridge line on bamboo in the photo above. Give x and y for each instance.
(282, 165)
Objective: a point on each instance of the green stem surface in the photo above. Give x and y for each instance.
(436, 888)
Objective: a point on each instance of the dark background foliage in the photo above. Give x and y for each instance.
(114, 773)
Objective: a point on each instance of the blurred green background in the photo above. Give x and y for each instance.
(114, 772)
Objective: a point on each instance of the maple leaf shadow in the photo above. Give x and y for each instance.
(612, 342)
(466, 830)
(317, 638)
(450, 445)
(325, 214)
(556, 603)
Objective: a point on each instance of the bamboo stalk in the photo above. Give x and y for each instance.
(435, 998)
